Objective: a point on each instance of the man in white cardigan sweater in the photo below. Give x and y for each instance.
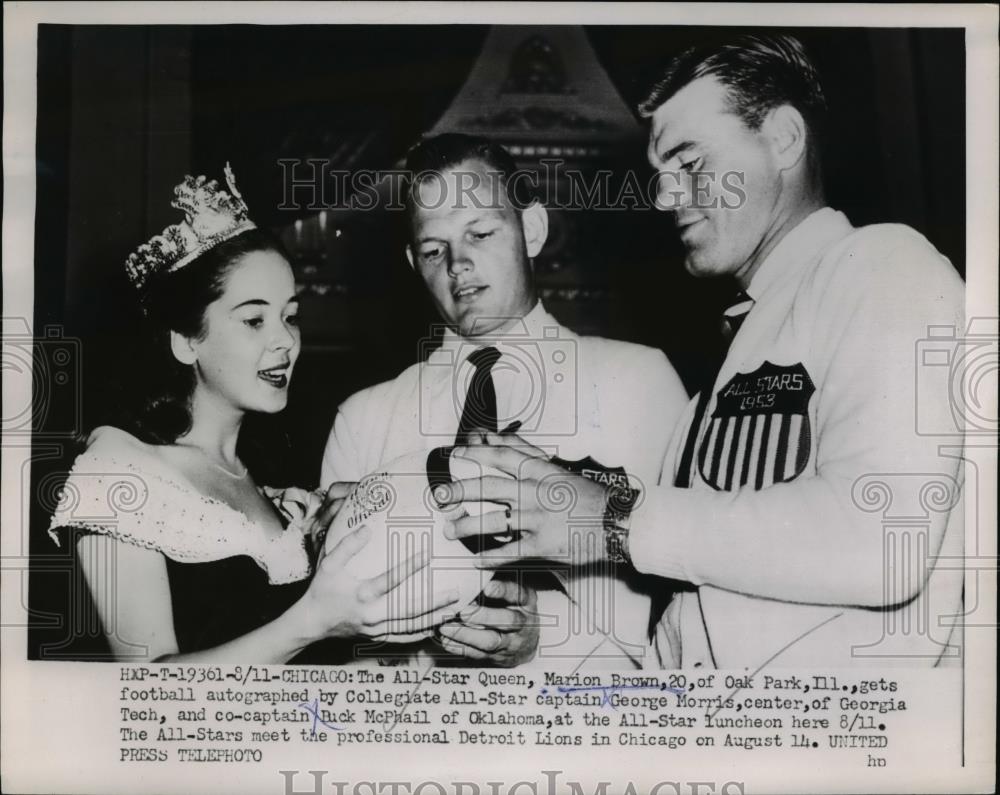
(773, 499)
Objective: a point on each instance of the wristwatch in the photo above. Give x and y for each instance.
(619, 501)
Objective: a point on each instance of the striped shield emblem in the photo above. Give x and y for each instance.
(759, 433)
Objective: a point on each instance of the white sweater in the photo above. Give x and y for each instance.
(811, 561)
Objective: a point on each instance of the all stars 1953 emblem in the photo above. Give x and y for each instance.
(759, 433)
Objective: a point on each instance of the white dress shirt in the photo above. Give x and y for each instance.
(575, 397)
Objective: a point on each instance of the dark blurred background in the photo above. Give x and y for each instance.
(125, 112)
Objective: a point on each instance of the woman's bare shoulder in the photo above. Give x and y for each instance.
(111, 436)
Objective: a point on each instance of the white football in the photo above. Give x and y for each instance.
(398, 505)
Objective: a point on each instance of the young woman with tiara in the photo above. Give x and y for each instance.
(185, 556)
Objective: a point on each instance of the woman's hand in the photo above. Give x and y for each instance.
(310, 511)
(317, 524)
(339, 604)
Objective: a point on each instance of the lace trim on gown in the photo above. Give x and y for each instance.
(118, 489)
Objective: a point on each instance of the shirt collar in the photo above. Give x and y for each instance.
(812, 234)
(537, 324)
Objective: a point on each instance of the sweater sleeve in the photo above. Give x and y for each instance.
(658, 417)
(816, 539)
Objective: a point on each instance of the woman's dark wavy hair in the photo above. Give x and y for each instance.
(158, 408)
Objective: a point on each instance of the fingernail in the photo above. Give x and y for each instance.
(466, 612)
(449, 532)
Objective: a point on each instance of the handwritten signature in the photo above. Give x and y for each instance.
(313, 709)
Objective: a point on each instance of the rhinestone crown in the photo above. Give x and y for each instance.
(212, 216)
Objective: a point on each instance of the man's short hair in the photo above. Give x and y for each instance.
(434, 156)
(760, 72)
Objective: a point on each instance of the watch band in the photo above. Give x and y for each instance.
(617, 509)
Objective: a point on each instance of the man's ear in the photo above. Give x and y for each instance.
(535, 223)
(787, 132)
(182, 348)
